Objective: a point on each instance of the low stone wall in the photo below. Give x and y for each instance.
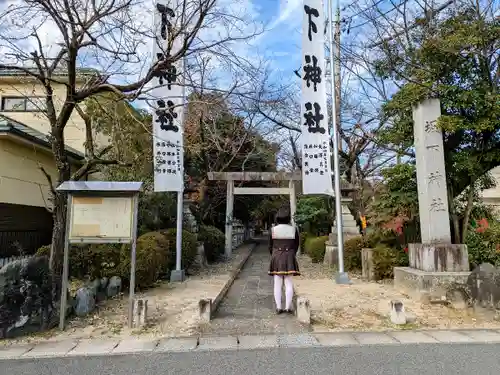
(417, 283)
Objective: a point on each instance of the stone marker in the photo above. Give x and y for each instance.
(114, 286)
(397, 313)
(368, 273)
(303, 310)
(483, 285)
(331, 257)
(435, 262)
(205, 310)
(201, 258)
(85, 301)
(140, 313)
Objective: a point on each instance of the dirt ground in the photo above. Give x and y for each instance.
(172, 309)
(365, 305)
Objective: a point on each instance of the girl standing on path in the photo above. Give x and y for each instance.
(284, 242)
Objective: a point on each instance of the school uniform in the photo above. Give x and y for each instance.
(284, 242)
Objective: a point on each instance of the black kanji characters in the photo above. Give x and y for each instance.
(312, 28)
(166, 25)
(312, 72)
(313, 118)
(168, 74)
(166, 115)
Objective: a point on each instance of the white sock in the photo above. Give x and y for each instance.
(288, 292)
(278, 284)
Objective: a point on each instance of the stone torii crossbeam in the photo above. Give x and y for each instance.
(231, 177)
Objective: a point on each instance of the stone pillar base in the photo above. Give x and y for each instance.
(368, 273)
(439, 257)
(331, 254)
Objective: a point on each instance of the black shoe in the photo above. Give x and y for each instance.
(279, 311)
(289, 311)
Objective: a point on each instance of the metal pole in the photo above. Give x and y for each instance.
(178, 275)
(65, 275)
(178, 235)
(341, 277)
(135, 203)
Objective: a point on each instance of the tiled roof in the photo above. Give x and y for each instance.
(8, 125)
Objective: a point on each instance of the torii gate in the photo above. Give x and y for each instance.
(231, 177)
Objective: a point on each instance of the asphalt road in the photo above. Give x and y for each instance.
(418, 359)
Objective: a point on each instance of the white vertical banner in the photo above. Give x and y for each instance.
(315, 138)
(168, 104)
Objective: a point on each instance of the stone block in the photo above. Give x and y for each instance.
(331, 257)
(413, 337)
(397, 313)
(367, 264)
(419, 283)
(177, 344)
(336, 339)
(14, 351)
(258, 342)
(205, 310)
(201, 258)
(217, 343)
(439, 257)
(449, 336)
(303, 310)
(373, 338)
(140, 313)
(94, 347)
(134, 345)
(85, 301)
(52, 349)
(483, 286)
(297, 340)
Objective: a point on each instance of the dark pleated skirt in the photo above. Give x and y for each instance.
(284, 263)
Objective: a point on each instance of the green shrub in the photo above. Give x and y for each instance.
(352, 253)
(385, 237)
(103, 260)
(189, 248)
(315, 248)
(385, 259)
(93, 261)
(213, 240)
(150, 259)
(43, 251)
(484, 246)
(303, 236)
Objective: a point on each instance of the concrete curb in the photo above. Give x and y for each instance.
(234, 274)
(133, 345)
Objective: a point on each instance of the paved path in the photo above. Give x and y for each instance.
(248, 307)
(295, 354)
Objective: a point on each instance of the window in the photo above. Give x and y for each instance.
(23, 104)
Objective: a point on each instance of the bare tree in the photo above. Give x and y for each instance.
(110, 36)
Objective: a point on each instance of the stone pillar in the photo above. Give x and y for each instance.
(435, 262)
(436, 253)
(293, 200)
(349, 227)
(431, 174)
(229, 218)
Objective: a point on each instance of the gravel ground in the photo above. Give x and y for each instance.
(365, 305)
(172, 308)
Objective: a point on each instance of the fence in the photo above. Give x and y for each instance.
(29, 241)
(5, 261)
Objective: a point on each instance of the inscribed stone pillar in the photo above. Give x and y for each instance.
(229, 218)
(431, 174)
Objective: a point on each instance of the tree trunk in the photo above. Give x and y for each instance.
(468, 211)
(59, 209)
(58, 234)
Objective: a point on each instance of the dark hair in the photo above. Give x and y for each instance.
(283, 216)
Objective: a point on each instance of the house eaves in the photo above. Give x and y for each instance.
(10, 127)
